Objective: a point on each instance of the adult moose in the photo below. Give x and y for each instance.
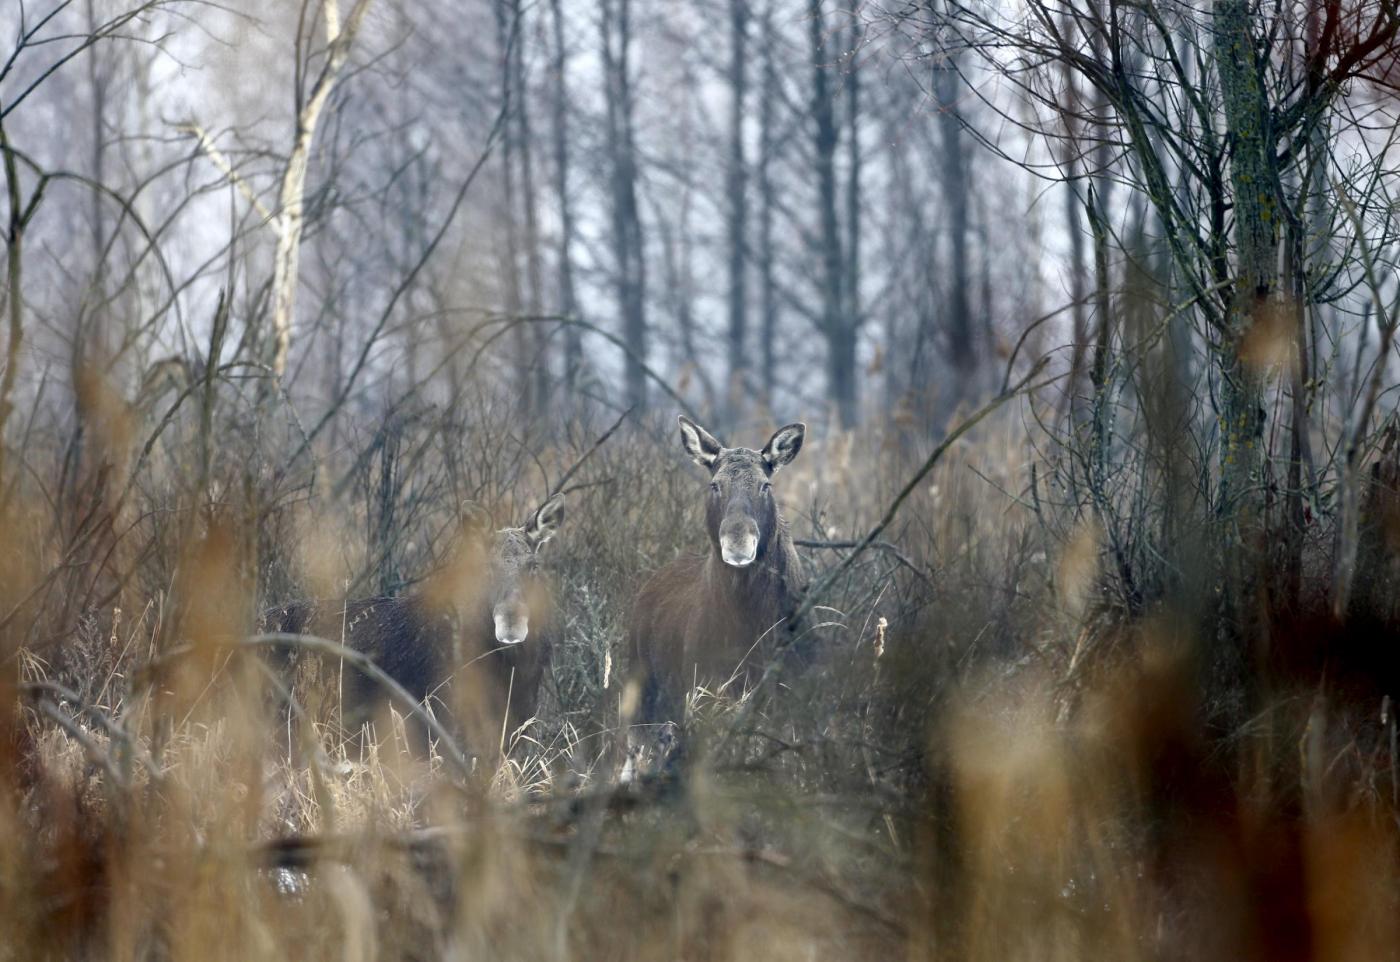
(486, 624)
(698, 619)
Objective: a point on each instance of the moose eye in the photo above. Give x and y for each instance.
(767, 486)
(714, 486)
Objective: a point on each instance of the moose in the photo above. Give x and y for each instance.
(698, 619)
(486, 624)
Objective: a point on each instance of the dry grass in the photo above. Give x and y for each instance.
(983, 758)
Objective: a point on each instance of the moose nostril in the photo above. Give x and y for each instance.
(512, 627)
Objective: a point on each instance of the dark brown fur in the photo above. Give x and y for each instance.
(432, 652)
(698, 621)
(477, 640)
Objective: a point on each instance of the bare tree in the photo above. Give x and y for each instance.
(767, 211)
(835, 323)
(568, 296)
(947, 92)
(629, 254)
(289, 220)
(1217, 111)
(736, 190)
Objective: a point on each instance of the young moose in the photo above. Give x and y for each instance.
(487, 625)
(697, 620)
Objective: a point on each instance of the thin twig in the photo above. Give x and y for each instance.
(559, 485)
(820, 587)
(893, 551)
(608, 336)
(51, 690)
(409, 279)
(299, 851)
(79, 734)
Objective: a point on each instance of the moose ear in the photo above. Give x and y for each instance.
(783, 446)
(546, 521)
(700, 444)
(475, 520)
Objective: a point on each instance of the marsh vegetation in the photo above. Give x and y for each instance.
(345, 346)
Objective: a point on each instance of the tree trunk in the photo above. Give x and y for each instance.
(536, 386)
(14, 295)
(1073, 146)
(841, 374)
(834, 327)
(290, 219)
(678, 259)
(100, 90)
(568, 298)
(628, 248)
(768, 289)
(1078, 289)
(509, 256)
(736, 184)
(1256, 213)
(953, 177)
(850, 283)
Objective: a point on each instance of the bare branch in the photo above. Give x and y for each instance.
(356, 659)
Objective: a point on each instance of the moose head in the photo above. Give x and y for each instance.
(512, 584)
(740, 513)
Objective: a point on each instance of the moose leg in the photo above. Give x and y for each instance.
(653, 742)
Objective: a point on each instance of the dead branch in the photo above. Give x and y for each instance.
(559, 485)
(44, 706)
(356, 659)
(613, 339)
(885, 546)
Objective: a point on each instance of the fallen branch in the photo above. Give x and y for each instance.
(53, 692)
(44, 706)
(356, 659)
(303, 851)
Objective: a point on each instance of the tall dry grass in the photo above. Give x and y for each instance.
(985, 753)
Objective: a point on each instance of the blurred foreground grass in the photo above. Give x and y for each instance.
(987, 758)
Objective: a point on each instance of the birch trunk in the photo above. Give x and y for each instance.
(289, 221)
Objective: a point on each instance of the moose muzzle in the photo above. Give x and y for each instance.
(738, 541)
(512, 622)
